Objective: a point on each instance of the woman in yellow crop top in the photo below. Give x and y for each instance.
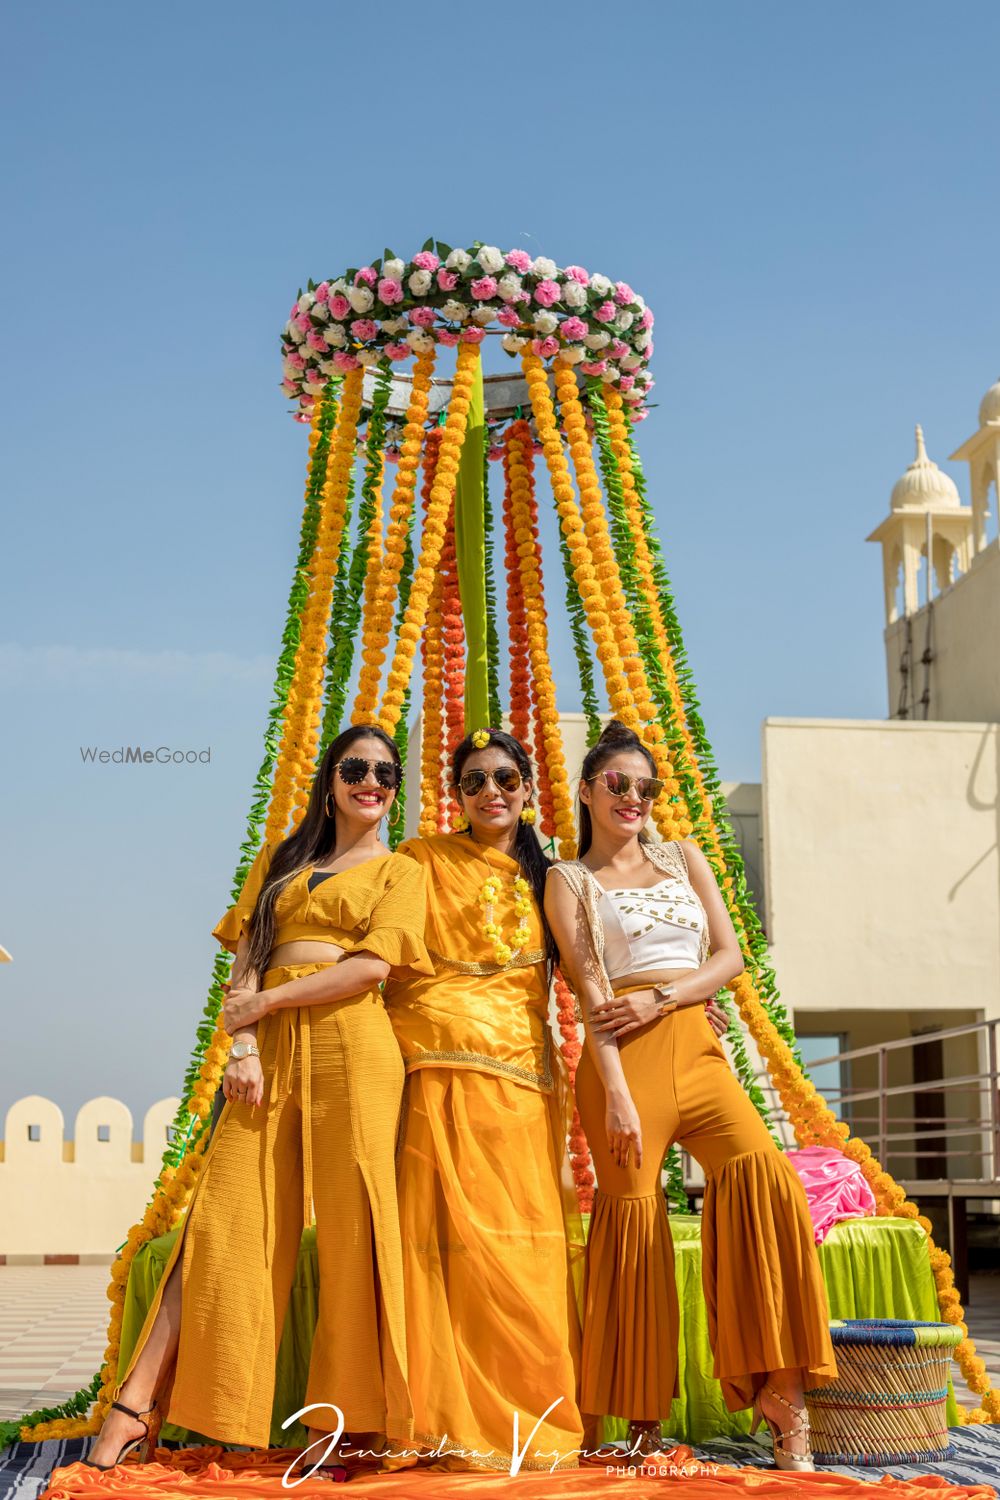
(654, 1073)
(487, 1208)
(313, 1091)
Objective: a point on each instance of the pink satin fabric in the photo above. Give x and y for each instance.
(835, 1188)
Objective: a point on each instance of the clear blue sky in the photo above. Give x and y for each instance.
(805, 194)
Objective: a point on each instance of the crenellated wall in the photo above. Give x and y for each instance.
(75, 1196)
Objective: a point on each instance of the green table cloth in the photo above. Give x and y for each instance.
(874, 1268)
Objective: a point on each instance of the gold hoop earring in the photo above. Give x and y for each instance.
(396, 815)
(331, 810)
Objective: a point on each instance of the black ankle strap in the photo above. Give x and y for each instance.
(120, 1406)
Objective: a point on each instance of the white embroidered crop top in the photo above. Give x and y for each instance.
(657, 927)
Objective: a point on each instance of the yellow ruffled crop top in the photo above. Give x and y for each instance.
(377, 907)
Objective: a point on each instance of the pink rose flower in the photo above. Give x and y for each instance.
(627, 382)
(594, 366)
(508, 317)
(423, 317)
(646, 321)
(547, 292)
(623, 293)
(484, 288)
(344, 361)
(398, 351)
(447, 280)
(574, 328)
(445, 336)
(364, 329)
(605, 313)
(390, 290)
(368, 275)
(545, 348)
(640, 415)
(303, 322)
(297, 360)
(577, 273)
(426, 260)
(315, 342)
(339, 307)
(473, 335)
(288, 386)
(322, 291)
(618, 349)
(647, 353)
(519, 259)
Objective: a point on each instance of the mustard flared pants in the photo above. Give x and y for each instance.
(333, 1081)
(766, 1301)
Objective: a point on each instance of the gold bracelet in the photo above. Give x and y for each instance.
(668, 1002)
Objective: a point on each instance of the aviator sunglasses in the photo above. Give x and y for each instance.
(354, 768)
(620, 783)
(506, 778)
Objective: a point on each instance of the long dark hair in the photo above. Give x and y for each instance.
(527, 849)
(311, 842)
(615, 739)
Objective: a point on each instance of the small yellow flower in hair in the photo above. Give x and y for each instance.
(480, 738)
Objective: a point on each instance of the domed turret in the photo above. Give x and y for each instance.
(989, 407)
(924, 486)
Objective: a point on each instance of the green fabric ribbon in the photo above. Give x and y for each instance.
(470, 550)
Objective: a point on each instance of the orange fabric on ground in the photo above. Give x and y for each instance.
(212, 1474)
(487, 1210)
(767, 1307)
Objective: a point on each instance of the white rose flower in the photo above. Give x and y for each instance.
(509, 287)
(610, 375)
(631, 361)
(483, 315)
(624, 321)
(420, 283)
(394, 268)
(641, 339)
(454, 311)
(360, 298)
(419, 341)
(294, 332)
(367, 357)
(327, 366)
(640, 302)
(572, 354)
(490, 259)
(573, 294)
(544, 267)
(306, 301)
(458, 260)
(314, 387)
(321, 311)
(335, 335)
(597, 340)
(513, 343)
(395, 325)
(601, 285)
(339, 286)
(545, 322)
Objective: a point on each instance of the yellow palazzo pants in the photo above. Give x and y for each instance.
(492, 1320)
(764, 1290)
(333, 1080)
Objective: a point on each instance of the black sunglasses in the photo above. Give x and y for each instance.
(507, 778)
(619, 784)
(354, 768)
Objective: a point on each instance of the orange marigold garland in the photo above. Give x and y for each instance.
(397, 528)
(300, 735)
(432, 541)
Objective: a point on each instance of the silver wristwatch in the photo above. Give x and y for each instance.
(239, 1050)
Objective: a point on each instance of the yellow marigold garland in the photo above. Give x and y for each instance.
(442, 497)
(518, 459)
(387, 582)
(300, 734)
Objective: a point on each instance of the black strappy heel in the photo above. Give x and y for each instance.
(147, 1442)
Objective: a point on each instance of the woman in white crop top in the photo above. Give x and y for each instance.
(646, 940)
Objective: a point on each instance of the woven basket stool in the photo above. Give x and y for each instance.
(887, 1404)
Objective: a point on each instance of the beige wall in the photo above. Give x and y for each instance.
(881, 865)
(77, 1195)
(964, 636)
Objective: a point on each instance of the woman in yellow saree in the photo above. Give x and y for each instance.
(487, 1208)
